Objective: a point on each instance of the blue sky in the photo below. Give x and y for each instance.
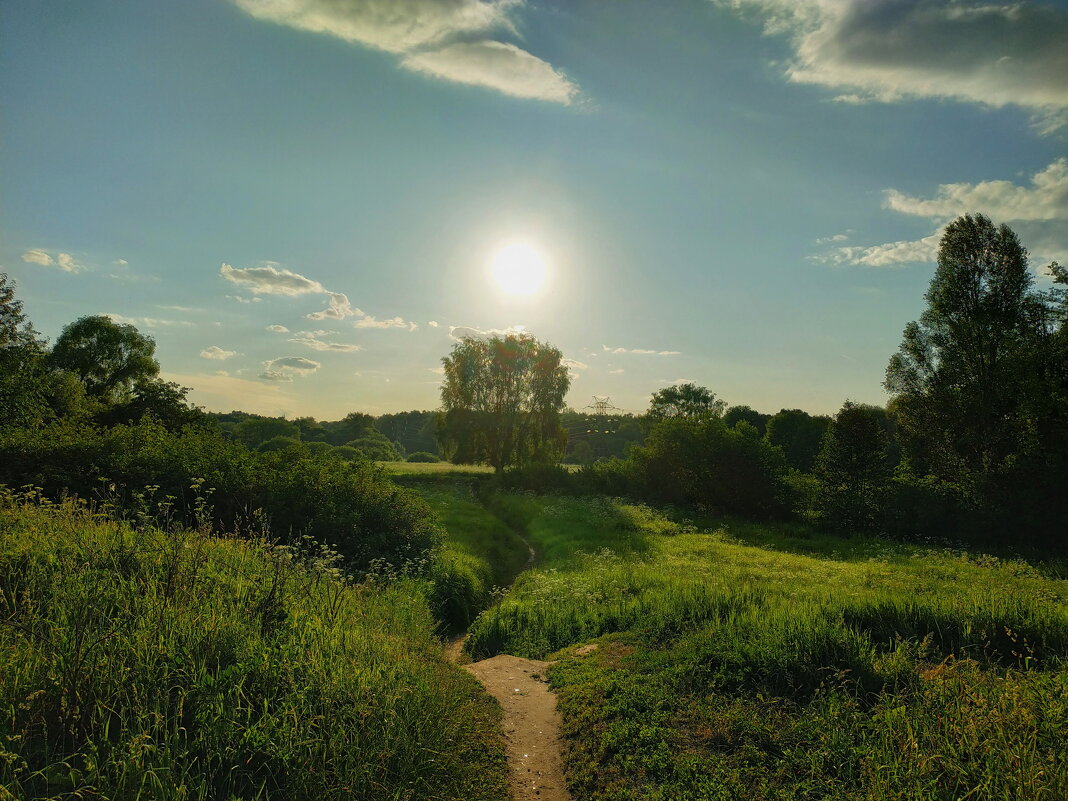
(742, 193)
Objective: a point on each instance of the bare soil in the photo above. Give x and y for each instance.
(531, 725)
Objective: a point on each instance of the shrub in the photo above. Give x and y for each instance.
(351, 505)
(422, 456)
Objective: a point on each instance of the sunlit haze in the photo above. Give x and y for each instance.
(518, 268)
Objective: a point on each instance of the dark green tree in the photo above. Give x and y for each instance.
(110, 358)
(956, 380)
(853, 470)
(257, 430)
(799, 434)
(22, 391)
(686, 401)
(501, 402)
(756, 419)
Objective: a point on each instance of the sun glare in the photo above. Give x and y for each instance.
(518, 268)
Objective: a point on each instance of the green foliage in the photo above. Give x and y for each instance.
(684, 401)
(414, 430)
(501, 402)
(374, 445)
(110, 358)
(422, 456)
(351, 506)
(168, 664)
(279, 443)
(255, 431)
(22, 374)
(979, 383)
(799, 435)
(164, 401)
(701, 462)
(852, 469)
(736, 414)
(800, 665)
(599, 436)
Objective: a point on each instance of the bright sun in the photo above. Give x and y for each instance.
(518, 269)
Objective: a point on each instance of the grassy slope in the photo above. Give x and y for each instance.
(798, 666)
(172, 664)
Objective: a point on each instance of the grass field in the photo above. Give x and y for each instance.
(744, 661)
(153, 663)
(434, 468)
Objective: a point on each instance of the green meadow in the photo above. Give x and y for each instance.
(755, 661)
(147, 662)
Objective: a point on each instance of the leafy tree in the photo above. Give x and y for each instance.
(501, 402)
(22, 395)
(756, 419)
(163, 400)
(957, 377)
(700, 461)
(257, 430)
(799, 434)
(352, 426)
(852, 468)
(376, 446)
(110, 358)
(684, 401)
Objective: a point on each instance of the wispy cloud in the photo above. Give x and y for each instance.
(312, 340)
(286, 368)
(268, 279)
(979, 51)
(366, 321)
(338, 309)
(278, 329)
(450, 39)
(62, 261)
(460, 332)
(150, 322)
(1037, 211)
(496, 65)
(641, 351)
(217, 353)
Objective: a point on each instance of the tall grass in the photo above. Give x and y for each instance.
(172, 664)
(770, 661)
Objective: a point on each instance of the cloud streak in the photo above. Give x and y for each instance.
(62, 261)
(641, 351)
(268, 279)
(286, 368)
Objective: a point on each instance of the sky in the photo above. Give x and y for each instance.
(304, 201)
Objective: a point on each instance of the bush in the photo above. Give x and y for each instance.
(422, 456)
(538, 478)
(351, 505)
(279, 444)
(703, 463)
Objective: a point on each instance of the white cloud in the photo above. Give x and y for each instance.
(338, 309)
(63, 261)
(460, 332)
(433, 323)
(394, 322)
(1038, 212)
(149, 322)
(396, 26)
(286, 368)
(1045, 199)
(574, 364)
(217, 353)
(891, 254)
(267, 279)
(676, 381)
(496, 65)
(278, 329)
(120, 263)
(311, 339)
(37, 257)
(184, 309)
(823, 240)
(980, 51)
(445, 38)
(641, 351)
(240, 299)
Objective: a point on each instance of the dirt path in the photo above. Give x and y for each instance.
(531, 725)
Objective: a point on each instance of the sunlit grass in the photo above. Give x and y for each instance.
(171, 664)
(434, 468)
(747, 661)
